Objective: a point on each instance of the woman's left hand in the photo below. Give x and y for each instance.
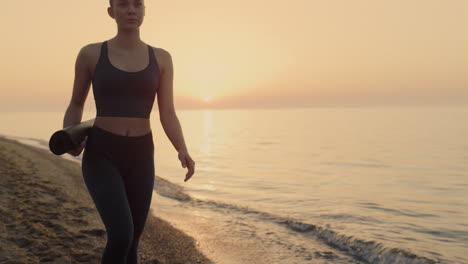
(187, 161)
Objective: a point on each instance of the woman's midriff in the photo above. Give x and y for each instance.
(124, 126)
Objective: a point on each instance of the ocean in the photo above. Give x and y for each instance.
(308, 185)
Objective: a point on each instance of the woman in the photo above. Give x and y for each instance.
(118, 161)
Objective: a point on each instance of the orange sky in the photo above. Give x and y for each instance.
(245, 53)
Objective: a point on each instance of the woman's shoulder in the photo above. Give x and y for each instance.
(160, 52)
(163, 57)
(89, 54)
(91, 51)
(92, 48)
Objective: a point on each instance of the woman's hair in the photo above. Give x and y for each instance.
(110, 2)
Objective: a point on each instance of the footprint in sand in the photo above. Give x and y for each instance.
(82, 257)
(21, 242)
(87, 209)
(94, 232)
(79, 221)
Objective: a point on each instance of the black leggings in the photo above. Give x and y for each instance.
(119, 174)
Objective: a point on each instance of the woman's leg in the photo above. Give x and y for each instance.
(139, 181)
(106, 187)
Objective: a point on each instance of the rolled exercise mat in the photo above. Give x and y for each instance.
(70, 137)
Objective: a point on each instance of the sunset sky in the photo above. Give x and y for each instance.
(252, 53)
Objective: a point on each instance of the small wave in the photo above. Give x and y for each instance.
(349, 164)
(36, 142)
(401, 212)
(369, 251)
(170, 190)
(358, 218)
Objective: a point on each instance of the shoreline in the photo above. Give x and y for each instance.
(47, 215)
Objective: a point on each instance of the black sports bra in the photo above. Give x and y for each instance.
(124, 94)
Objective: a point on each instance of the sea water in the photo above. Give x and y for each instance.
(309, 185)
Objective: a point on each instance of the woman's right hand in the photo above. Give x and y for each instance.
(79, 149)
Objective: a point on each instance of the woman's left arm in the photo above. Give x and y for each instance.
(167, 114)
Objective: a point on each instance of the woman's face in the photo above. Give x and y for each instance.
(127, 13)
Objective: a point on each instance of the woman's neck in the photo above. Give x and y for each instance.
(128, 40)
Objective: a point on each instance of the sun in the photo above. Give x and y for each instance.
(207, 98)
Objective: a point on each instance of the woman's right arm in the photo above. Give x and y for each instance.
(81, 86)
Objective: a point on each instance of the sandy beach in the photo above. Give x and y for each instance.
(47, 215)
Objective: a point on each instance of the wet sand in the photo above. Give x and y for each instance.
(47, 215)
